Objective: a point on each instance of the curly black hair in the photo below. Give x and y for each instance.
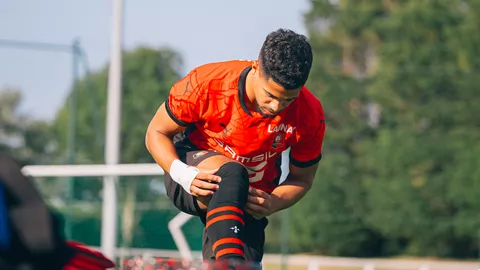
(286, 57)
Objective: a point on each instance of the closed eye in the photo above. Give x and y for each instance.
(276, 98)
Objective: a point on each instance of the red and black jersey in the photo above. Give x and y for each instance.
(210, 101)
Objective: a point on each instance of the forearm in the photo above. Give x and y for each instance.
(289, 193)
(161, 148)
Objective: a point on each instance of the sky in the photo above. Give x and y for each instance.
(201, 31)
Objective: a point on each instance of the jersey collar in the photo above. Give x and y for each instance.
(242, 81)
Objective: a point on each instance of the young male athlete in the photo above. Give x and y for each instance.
(220, 135)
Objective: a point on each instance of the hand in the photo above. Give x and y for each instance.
(205, 183)
(259, 203)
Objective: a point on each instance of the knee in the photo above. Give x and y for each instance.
(233, 173)
(234, 182)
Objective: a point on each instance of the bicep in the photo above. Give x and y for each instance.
(303, 174)
(163, 123)
(304, 160)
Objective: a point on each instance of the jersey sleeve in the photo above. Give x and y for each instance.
(308, 150)
(186, 99)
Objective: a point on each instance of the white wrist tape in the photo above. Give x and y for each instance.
(183, 174)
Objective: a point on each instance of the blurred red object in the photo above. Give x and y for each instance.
(140, 263)
(86, 258)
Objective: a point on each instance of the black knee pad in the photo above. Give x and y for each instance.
(234, 185)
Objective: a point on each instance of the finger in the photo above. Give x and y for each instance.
(259, 193)
(208, 177)
(205, 185)
(254, 191)
(208, 171)
(252, 213)
(254, 210)
(259, 204)
(213, 171)
(200, 192)
(255, 200)
(249, 210)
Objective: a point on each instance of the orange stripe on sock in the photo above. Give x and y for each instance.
(229, 240)
(229, 251)
(225, 217)
(225, 208)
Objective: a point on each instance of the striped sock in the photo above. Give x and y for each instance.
(225, 218)
(225, 227)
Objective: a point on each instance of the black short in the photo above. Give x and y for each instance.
(255, 236)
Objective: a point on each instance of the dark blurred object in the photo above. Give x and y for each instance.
(30, 234)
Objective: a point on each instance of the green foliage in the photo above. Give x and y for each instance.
(398, 82)
(22, 136)
(147, 77)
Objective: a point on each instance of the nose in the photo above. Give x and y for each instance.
(274, 105)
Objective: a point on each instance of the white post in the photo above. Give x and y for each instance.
(175, 227)
(112, 137)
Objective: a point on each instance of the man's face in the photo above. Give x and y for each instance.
(271, 98)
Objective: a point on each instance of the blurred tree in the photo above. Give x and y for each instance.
(398, 81)
(343, 42)
(148, 75)
(419, 170)
(23, 137)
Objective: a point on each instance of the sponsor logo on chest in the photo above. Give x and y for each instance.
(282, 127)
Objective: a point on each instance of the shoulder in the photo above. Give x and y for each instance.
(220, 71)
(308, 117)
(307, 143)
(307, 104)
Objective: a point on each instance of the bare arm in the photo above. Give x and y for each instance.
(159, 138)
(298, 183)
(306, 155)
(159, 142)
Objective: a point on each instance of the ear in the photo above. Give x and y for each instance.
(255, 68)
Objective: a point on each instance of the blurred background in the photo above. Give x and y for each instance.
(399, 184)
